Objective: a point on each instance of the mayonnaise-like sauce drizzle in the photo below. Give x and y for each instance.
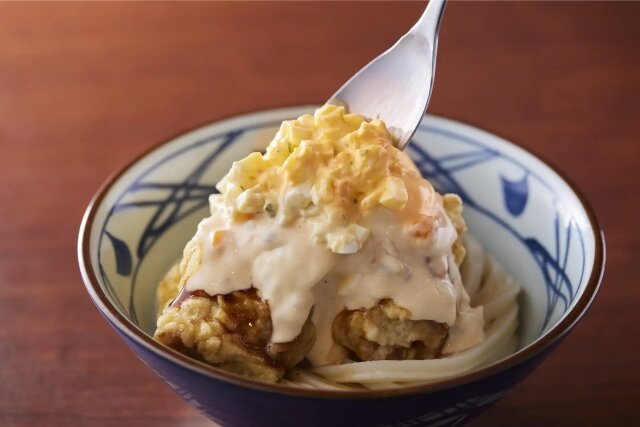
(333, 216)
(294, 273)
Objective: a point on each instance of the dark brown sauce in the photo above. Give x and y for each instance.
(242, 320)
(247, 311)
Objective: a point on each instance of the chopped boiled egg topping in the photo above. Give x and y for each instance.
(332, 165)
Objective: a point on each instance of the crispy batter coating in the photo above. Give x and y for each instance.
(384, 332)
(229, 331)
(168, 289)
(233, 331)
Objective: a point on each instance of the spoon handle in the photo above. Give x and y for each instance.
(396, 86)
(428, 27)
(429, 23)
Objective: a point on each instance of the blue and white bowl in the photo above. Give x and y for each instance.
(523, 212)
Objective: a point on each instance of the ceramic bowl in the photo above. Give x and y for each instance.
(524, 212)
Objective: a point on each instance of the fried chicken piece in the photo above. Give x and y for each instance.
(384, 332)
(232, 332)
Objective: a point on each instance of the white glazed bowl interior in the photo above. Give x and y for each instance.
(520, 210)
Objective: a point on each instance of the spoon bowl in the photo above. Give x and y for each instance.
(397, 85)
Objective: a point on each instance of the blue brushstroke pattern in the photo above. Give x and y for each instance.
(515, 194)
(123, 255)
(557, 284)
(173, 207)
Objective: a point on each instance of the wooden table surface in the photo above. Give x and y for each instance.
(85, 87)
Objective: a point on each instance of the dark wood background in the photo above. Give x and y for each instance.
(85, 87)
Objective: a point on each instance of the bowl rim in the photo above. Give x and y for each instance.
(136, 334)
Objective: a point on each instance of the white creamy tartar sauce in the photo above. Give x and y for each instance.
(334, 217)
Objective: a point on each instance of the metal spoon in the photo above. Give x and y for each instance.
(397, 85)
